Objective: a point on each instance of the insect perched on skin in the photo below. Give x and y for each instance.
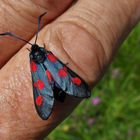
(51, 78)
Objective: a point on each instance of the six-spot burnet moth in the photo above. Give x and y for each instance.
(51, 78)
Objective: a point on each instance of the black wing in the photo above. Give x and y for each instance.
(42, 90)
(68, 80)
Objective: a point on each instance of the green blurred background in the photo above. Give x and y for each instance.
(113, 111)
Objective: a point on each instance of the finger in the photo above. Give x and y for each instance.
(71, 39)
(21, 19)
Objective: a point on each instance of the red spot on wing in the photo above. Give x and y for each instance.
(62, 72)
(76, 81)
(39, 100)
(39, 84)
(51, 57)
(50, 78)
(33, 67)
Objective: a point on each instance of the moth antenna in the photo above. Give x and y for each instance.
(39, 20)
(15, 36)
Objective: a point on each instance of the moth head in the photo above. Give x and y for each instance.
(37, 54)
(35, 47)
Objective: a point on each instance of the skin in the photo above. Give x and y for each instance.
(86, 36)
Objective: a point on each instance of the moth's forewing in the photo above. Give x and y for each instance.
(42, 90)
(68, 80)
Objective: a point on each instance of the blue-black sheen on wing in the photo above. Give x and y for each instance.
(42, 91)
(69, 81)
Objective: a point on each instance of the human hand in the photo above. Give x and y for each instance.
(86, 36)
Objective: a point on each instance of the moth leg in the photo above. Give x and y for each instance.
(67, 64)
(28, 49)
(44, 46)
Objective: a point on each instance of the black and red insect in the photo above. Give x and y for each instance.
(51, 78)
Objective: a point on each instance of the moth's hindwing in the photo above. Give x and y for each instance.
(42, 90)
(69, 81)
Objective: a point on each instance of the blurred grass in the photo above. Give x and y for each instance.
(117, 117)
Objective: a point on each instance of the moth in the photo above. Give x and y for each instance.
(51, 78)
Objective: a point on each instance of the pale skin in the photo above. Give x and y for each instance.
(86, 36)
